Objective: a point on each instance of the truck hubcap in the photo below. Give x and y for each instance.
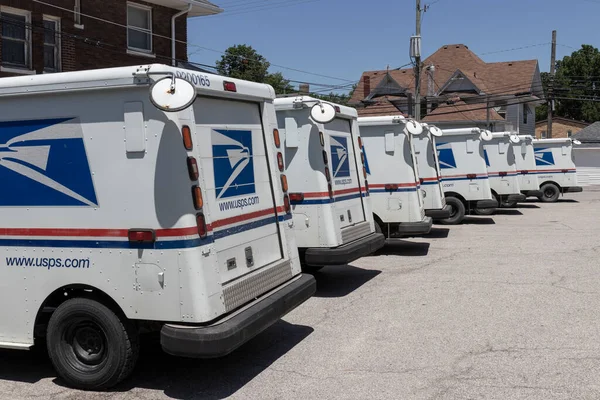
(88, 342)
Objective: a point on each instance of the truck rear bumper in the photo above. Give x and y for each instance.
(440, 213)
(515, 197)
(222, 338)
(532, 193)
(344, 254)
(413, 228)
(572, 189)
(484, 204)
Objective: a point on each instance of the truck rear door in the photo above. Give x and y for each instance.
(348, 204)
(237, 186)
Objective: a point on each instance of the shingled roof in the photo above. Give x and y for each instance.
(461, 111)
(590, 134)
(458, 62)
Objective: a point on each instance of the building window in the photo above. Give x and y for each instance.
(139, 28)
(51, 44)
(16, 37)
(569, 133)
(525, 113)
(543, 134)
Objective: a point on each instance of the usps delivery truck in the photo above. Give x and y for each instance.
(500, 160)
(556, 169)
(327, 178)
(464, 172)
(526, 168)
(428, 166)
(394, 187)
(141, 198)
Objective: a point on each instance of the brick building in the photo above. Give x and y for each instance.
(42, 36)
(561, 127)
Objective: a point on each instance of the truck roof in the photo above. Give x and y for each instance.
(383, 120)
(288, 103)
(553, 140)
(127, 76)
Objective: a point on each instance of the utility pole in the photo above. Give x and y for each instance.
(551, 85)
(418, 65)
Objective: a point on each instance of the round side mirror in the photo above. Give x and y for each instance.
(322, 113)
(172, 95)
(413, 127)
(575, 141)
(435, 131)
(486, 135)
(514, 139)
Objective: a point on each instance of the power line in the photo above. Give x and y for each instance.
(514, 49)
(263, 7)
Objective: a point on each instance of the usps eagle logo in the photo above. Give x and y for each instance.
(232, 163)
(445, 155)
(544, 157)
(339, 156)
(44, 163)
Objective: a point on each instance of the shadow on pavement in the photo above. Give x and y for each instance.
(529, 205)
(437, 233)
(341, 280)
(567, 201)
(399, 247)
(478, 221)
(178, 378)
(504, 211)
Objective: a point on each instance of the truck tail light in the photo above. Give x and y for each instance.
(284, 184)
(337, 109)
(325, 160)
(421, 180)
(362, 158)
(391, 187)
(367, 186)
(365, 172)
(192, 165)
(229, 86)
(286, 204)
(471, 176)
(141, 235)
(330, 190)
(197, 196)
(280, 162)
(327, 174)
(524, 172)
(564, 170)
(322, 139)
(276, 137)
(201, 224)
(186, 132)
(359, 143)
(297, 197)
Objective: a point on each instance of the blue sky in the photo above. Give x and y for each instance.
(343, 38)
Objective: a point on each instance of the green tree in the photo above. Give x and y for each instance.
(338, 98)
(243, 62)
(279, 83)
(577, 76)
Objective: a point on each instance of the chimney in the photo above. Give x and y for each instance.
(430, 85)
(304, 88)
(366, 86)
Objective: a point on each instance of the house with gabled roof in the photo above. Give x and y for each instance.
(458, 89)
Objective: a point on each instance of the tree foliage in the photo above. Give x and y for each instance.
(577, 77)
(243, 62)
(338, 98)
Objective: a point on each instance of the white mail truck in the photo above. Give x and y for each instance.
(526, 168)
(327, 178)
(135, 199)
(556, 169)
(394, 186)
(428, 165)
(464, 172)
(500, 159)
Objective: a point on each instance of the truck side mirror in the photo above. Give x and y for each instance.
(172, 94)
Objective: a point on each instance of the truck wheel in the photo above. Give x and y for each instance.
(509, 204)
(488, 211)
(457, 211)
(550, 193)
(91, 348)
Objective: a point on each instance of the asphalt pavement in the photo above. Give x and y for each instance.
(506, 307)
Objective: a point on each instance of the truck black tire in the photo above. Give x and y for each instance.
(91, 347)
(550, 193)
(457, 211)
(488, 211)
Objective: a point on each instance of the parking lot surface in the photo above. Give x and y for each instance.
(506, 307)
